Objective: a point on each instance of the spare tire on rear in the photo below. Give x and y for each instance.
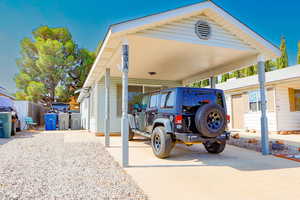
(210, 120)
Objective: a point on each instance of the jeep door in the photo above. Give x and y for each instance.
(152, 111)
(140, 115)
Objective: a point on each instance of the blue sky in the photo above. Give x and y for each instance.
(88, 21)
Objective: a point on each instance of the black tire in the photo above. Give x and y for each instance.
(13, 128)
(210, 120)
(130, 135)
(215, 147)
(161, 142)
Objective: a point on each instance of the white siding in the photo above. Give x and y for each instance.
(184, 30)
(115, 122)
(84, 112)
(229, 108)
(286, 120)
(252, 121)
(93, 126)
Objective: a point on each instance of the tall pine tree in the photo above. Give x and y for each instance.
(282, 61)
(52, 67)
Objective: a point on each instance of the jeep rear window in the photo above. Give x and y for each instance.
(167, 100)
(193, 97)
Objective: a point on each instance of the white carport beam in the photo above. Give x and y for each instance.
(107, 110)
(124, 121)
(264, 120)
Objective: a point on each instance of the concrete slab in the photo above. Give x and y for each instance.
(192, 173)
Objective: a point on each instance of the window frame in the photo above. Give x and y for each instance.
(257, 102)
(296, 92)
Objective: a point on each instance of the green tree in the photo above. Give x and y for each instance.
(200, 84)
(270, 66)
(225, 77)
(298, 54)
(51, 66)
(282, 61)
(238, 74)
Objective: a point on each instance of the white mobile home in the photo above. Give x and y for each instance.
(283, 100)
(168, 49)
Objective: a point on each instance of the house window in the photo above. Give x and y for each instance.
(254, 101)
(297, 99)
(294, 97)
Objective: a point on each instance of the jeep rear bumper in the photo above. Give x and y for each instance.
(192, 138)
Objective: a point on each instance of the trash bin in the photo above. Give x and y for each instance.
(50, 121)
(75, 121)
(63, 121)
(5, 125)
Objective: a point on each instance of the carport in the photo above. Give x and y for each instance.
(185, 45)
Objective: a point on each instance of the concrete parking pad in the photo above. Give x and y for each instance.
(192, 173)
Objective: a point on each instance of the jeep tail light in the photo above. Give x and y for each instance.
(206, 101)
(178, 119)
(228, 118)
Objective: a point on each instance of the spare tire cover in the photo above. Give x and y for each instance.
(210, 120)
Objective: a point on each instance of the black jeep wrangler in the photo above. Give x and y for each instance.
(181, 115)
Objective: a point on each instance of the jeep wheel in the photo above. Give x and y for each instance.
(215, 147)
(161, 142)
(130, 135)
(210, 120)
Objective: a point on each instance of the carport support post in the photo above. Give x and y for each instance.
(264, 120)
(89, 111)
(107, 112)
(212, 82)
(124, 121)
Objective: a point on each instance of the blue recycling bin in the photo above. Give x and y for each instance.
(50, 121)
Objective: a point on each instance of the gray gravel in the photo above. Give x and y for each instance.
(44, 166)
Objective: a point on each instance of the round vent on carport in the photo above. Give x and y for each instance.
(202, 30)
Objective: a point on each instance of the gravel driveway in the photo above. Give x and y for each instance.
(61, 165)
